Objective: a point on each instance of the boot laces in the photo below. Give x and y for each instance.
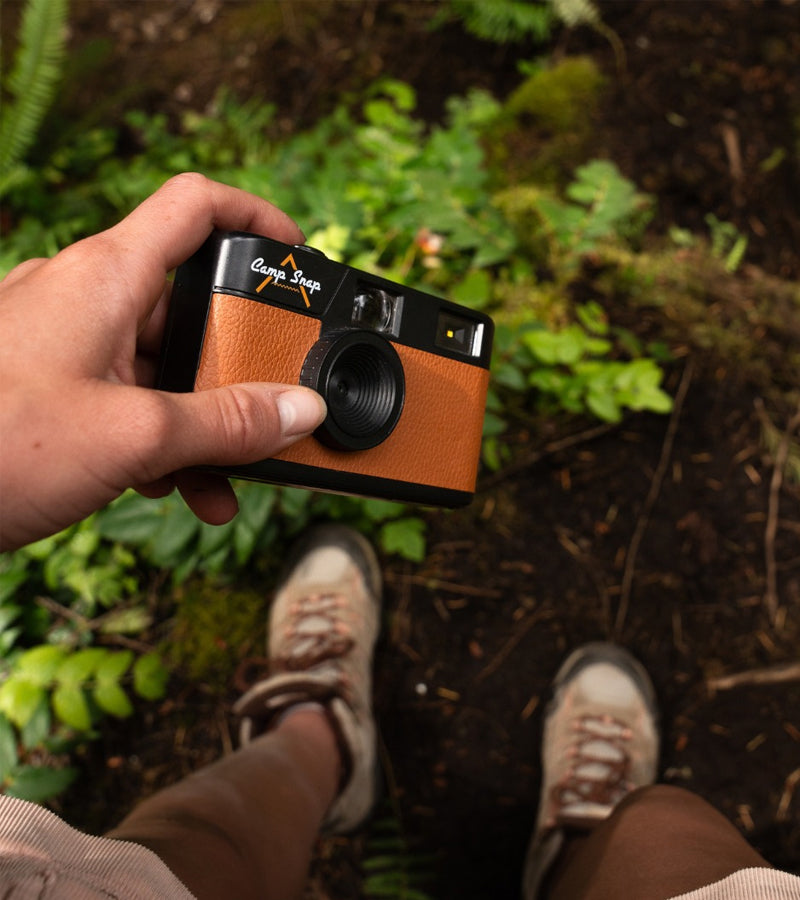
(597, 775)
(315, 631)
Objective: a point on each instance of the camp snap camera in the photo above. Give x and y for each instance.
(404, 373)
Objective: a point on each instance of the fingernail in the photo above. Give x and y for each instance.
(300, 411)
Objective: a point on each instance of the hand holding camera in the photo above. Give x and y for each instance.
(404, 374)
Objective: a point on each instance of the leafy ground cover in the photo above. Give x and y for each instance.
(676, 533)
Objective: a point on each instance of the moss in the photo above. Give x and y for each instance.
(560, 99)
(214, 628)
(546, 127)
(747, 324)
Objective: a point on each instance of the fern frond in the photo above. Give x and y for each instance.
(504, 21)
(32, 82)
(576, 12)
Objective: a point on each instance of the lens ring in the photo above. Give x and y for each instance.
(360, 376)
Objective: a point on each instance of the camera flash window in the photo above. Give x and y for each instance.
(459, 334)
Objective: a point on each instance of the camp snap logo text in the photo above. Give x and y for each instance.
(294, 280)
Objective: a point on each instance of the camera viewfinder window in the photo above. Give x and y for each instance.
(459, 334)
(376, 309)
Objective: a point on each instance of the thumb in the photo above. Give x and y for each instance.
(230, 425)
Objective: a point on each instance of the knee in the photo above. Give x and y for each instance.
(662, 808)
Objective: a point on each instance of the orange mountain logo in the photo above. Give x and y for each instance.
(279, 276)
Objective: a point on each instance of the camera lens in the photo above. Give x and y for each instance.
(374, 308)
(360, 376)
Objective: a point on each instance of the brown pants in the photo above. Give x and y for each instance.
(245, 826)
(660, 842)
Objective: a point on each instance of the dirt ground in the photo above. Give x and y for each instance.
(671, 535)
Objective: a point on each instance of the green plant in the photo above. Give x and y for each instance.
(58, 597)
(727, 243)
(28, 89)
(51, 697)
(374, 187)
(391, 869)
(600, 204)
(581, 369)
(501, 21)
(509, 21)
(167, 535)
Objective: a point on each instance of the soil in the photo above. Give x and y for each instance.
(659, 534)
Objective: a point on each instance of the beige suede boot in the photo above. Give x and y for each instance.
(322, 631)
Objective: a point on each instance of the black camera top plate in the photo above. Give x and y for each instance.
(294, 276)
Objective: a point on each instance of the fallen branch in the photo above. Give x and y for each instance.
(781, 457)
(650, 500)
(777, 674)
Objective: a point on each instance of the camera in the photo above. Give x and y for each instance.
(404, 373)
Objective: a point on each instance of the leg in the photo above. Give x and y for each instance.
(604, 830)
(245, 826)
(660, 842)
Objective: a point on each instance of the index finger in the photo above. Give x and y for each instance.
(184, 211)
(171, 224)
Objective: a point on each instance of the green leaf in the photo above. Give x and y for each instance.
(214, 537)
(564, 347)
(244, 541)
(150, 677)
(406, 537)
(113, 666)
(8, 613)
(41, 549)
(380, 510)
(177, 530)
(493, 425)
(38, 784)
(71, 707)
(294, 502)
(19, 699)
(112, 699)
(510, 376)
(37, 729)
(133, 620)
(79, 666)
(475, 290)
(593, 317)
(9, 583)
(132, 519)
(40, 664)
(256, 502)
(604, 406)
(8, 748)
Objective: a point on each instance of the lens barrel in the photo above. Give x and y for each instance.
(360, 377)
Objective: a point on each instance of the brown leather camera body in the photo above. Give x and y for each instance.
(243, 319)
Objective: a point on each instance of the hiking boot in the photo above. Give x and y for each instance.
(322, 632)
(600, 742)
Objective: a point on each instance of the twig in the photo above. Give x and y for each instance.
(792, 780)
(652, 496)
(771, 675)
(64, 611)
(499, 658)
(566, 443)
(434, 584)
(93, 625)
(781, 457)
(224, 733)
